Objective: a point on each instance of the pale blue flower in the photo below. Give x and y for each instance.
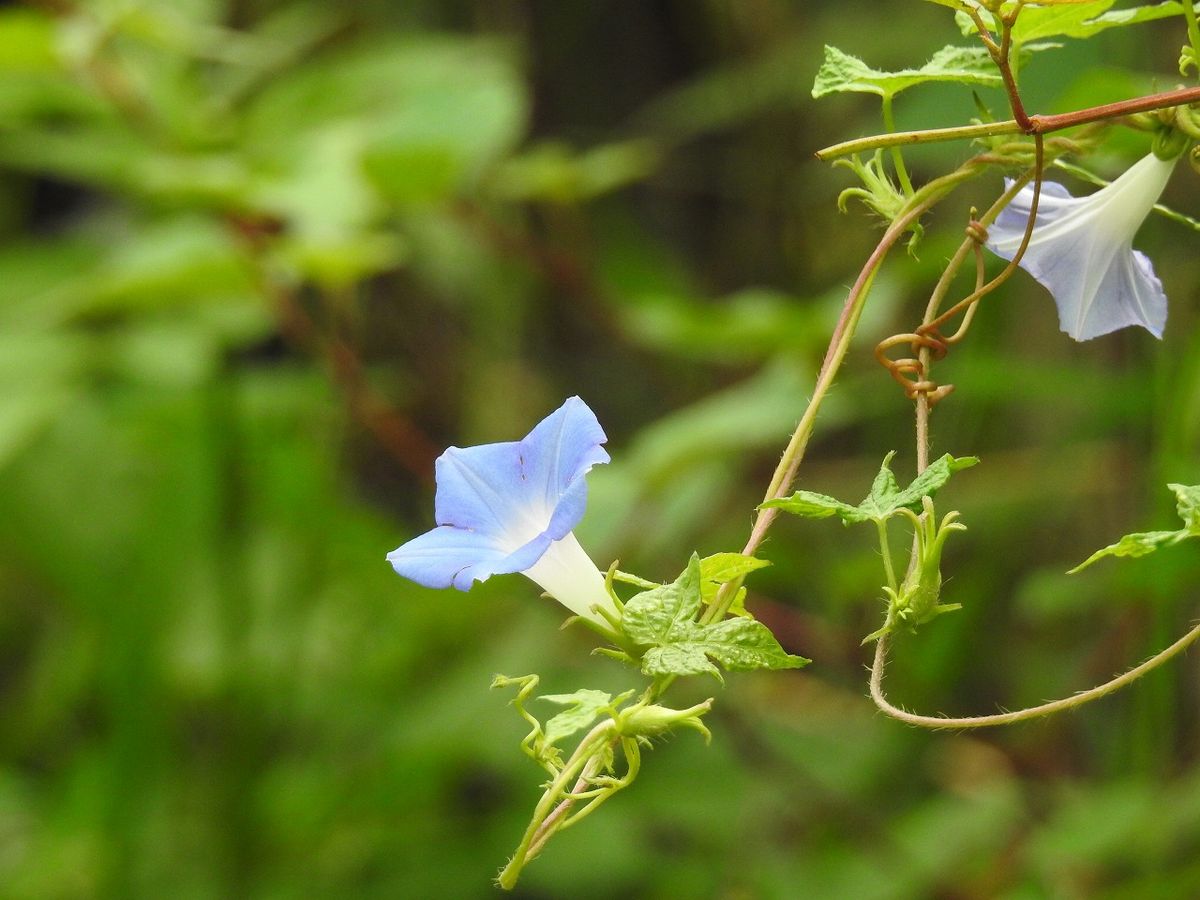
(1082, 251)
(510, 507)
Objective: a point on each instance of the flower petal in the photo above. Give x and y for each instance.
(515, 491)
(449, 556)
(500, 507)
(1081, 251)
(556, 455)
(480, 488)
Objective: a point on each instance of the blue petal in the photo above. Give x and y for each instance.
(500, 506)
(514, 491)
(556, 455)
(449, 556)
(1081, 251)
(479, 488)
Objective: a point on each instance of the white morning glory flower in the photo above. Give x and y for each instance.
(510, 507)
(1081, 250)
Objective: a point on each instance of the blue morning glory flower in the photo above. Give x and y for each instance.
(1081, 250)
(511, 507)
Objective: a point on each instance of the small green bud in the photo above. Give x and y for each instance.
(653, 720)
(919, 598)
(1170, 143)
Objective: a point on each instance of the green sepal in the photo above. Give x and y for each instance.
(886, 498)
(663, 620)
(635, 580)
(878, 192)
(1142, 543)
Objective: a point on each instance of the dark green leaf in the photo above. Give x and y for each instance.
(663, 619)
(739, 645)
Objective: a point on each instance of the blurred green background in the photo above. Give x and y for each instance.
(260, 261)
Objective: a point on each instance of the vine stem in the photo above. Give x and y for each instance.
(541, 826)
(1036, 124)
(839, 344)
(922, 429)
(1020, 715)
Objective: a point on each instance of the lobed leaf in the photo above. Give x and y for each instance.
(1073, 18)
(663, 619)
(811, 505)
(885, 500)
(1145, 542)
(841, 72)
(739, 645)
(1139, 544)
(653, 616)
(934, 477)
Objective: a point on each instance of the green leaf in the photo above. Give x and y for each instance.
(1145, 542)
(811, 505)
(739, 645)
(928, 482)
(583, 707)
(723, 567)
(1074, 19)
(653, 616)
(885, 500)
(1188, 504)
(842, 72)
(1135, 15)
(663, 619)
(720, 568)
(1139, 544)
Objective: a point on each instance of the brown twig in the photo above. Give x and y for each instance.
(394, 431)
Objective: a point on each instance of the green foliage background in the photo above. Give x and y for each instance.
(260, 261)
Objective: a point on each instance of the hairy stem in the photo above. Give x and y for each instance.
(538, 830)
(839, 344)
(1036, 124)
(1020, 715)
